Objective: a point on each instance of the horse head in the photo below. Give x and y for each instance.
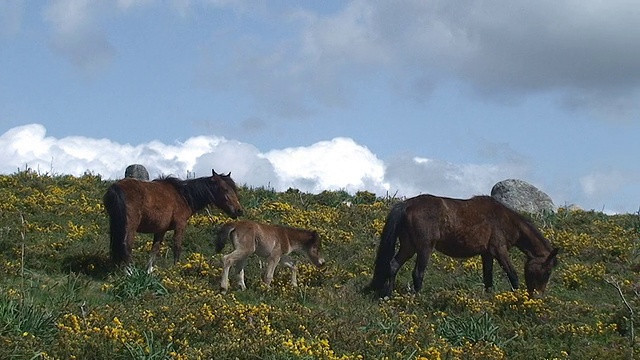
(313, 248)
(538, 270)
(225, 194)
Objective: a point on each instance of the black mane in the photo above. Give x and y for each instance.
(198, 193)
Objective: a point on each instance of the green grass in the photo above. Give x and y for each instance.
(134, 282)
(61, 298)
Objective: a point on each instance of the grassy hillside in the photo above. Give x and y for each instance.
(61, 299)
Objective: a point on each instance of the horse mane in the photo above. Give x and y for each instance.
(230, 182)
(196, 192)
(524, 224)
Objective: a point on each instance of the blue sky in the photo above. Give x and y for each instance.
(402, 97)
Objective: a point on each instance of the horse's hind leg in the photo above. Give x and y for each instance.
(228, 261)
(178, 235)
(422, 260)
(487, 271)
(405, 252)
(155, 250)
(239, 267)
(128, 248)
(130, 236)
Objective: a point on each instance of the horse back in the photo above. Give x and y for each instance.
(461, 227)
(153, 204)
(250, 236)
(267, 238)
(150, 192)
(292, 238)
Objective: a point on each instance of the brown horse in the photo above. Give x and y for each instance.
(460, 228)
(273, 242)
(162, 205)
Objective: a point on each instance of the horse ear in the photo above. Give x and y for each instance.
(550, 260)
(213, 172)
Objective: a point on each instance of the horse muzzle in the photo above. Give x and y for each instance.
(235, 213)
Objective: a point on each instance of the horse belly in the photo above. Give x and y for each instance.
(460, 247)
(154, 225)
(264, 249)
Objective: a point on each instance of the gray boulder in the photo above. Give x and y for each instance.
(137, 171)
(522, 196)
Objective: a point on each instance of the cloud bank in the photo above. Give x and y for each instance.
(585, 53)
(337, 164)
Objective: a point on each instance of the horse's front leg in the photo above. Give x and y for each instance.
(155, 250)
(288, 262)
(487, 271)
(505, 263)
(272, 262)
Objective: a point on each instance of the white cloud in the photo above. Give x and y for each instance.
(351, 32)
(601, 184)
(604, 187)
(328, 165)
(243, 161)
(77, 36)
(575, 50)
(337, 164)
(411, 176)
(29, 146)
(584, 51)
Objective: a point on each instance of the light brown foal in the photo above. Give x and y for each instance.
(273, 242)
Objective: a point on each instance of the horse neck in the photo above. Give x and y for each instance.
(302, 238)
(196, 194)
(532, 242)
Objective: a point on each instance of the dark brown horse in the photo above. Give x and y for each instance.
(273, 242)
(460, 228)
(162, 205)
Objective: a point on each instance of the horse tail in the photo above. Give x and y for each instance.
(114, 203)
(223, 234)
(386, 248)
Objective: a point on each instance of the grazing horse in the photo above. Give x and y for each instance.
(460, 228)
(273, 242)
(161, 205)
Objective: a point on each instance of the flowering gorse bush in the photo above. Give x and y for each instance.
(61, 298)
